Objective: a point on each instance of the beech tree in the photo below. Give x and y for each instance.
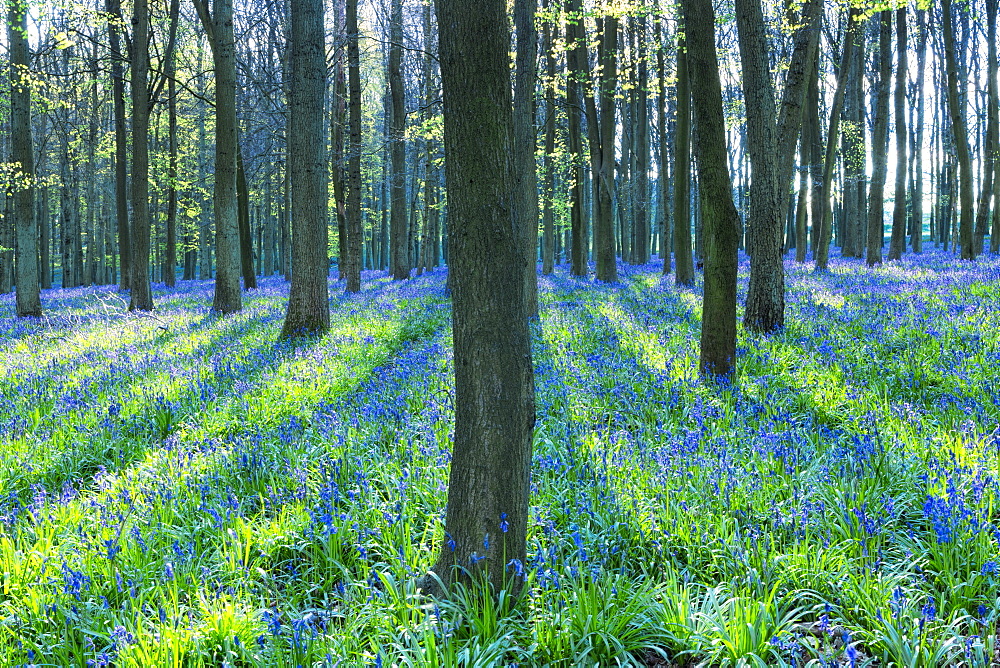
(308, 298)
(28, 303)
(487, 512)
(721, 220)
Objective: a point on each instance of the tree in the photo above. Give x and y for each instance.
(400, 254)
(29, 304)
(897, 242)
(576, 62)
(825, 222)
(603, 150)
(526, 75)
(682, 169)
(721, 220)
(993, 116)
(486, 520)
(957, 114)
(218, 25)
(880, 143)
(141, 291)
(351, 262)
(308, 298)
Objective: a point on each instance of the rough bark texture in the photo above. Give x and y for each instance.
(576, 61)
(765, 306)
(548, 215)
(352, 260)
(640, 248)
(400, 255)
(526, 74)
(486, 521)
(308, 298)
(822, 252)
(663, 154)
(990, 175)
(721, 220)
(243, 219)
(604, 236)
(141, 291)
(219, 26)
(956, 111)
(170, 254)
(29, 303)
(880, 144)
(684, 274)
(917, 197)
(897, 243)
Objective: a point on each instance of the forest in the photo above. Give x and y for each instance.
(499, 333)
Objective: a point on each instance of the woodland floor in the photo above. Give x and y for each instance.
(177, 489)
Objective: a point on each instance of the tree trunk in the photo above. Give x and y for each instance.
(113, 7)
(400, 237)
(682, 169)
(663, 155)
(576, 61)
(243, 218)
(721, 220)
(170, 256)
(219, 27)
(880, 143)
(142, 294)
(548, 223)
(308, 299)
(487, 511)
(526, 75)
(956, 110)
(640, 249)
(604, 237)
(991, 152)
(897, 242)
(29, 304)
(822, 253)
(352, 260)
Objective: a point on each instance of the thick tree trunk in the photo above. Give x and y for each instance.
(487, 511)
(308, 299)
(29, 304)
(604, 237)
(956, 110)
(721, 220)
(141, 290)
(526, 75)
(822, 252)
(400, 236)
(228, 264)
(880, 144)
(352, 260)
(897, 242)
(682, 169)
(576, 61)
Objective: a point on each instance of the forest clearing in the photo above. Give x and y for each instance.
(181, 490)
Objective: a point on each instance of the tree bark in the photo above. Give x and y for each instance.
(308, 299)
(640, 249)
(682, 169)
(897, 242)
(957, 112)
(721, 220)
(917, 196)
(28, 300)
(576, 62)
(526, 75)
(219, 26)
(822, 253)
(487, 512)
(352, 260)
(993, 118)
(141, 290)
(170, 255)
(398, 229)
(663, 154)
(548, 222)
(880, 144)
(604, 237)
(243, 220)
